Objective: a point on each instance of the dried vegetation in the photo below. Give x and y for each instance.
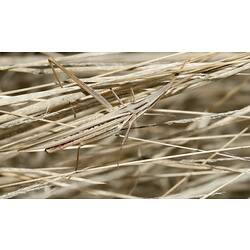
(161, 125)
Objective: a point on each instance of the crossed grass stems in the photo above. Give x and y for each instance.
(116, 118)
(114, 121)
(128, 114)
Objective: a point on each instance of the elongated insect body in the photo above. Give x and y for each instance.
(101, 127)
(110, 123)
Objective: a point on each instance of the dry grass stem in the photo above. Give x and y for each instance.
(124, 125)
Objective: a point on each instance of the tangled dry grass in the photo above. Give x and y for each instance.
(161, 125)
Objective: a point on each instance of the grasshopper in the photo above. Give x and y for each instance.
(108, 124)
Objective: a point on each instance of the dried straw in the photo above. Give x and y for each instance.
(124, 125)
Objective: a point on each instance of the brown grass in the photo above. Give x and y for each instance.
(162, 125)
